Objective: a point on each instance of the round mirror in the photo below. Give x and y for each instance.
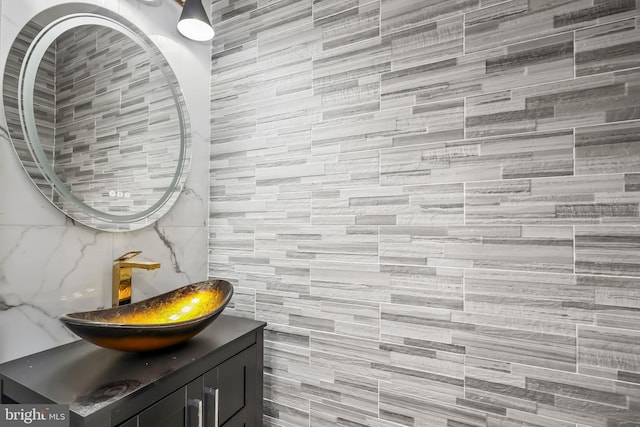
(96, 117)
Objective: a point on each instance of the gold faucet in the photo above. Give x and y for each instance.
(121, 285)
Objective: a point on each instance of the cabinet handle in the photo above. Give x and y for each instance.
(215, 396)
(197, 403)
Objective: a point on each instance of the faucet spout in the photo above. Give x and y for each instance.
(121, 289)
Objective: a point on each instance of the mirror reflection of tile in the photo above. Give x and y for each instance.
(100, 101)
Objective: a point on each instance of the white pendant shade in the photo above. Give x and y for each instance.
(194, 23)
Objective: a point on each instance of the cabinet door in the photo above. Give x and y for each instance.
(230, 392)
(168, 412)
(173, 410)
(224, 397)
(133, 422)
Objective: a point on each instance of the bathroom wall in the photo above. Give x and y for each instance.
(50, 265)
(435, 207)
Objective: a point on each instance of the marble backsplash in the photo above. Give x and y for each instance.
(50, 265)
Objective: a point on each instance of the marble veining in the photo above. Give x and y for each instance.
(49, 265)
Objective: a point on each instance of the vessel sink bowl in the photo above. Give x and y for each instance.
(154, 323)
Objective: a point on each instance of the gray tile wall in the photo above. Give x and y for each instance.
(435, 207)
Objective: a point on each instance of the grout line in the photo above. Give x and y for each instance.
(464, 37)
(379, 386)
(573, 131)
(464, 120)
(575, 56)
(573, 228)
(464, 289)
(464, 203)
(380, 322)
(577, 347)
(380, 23)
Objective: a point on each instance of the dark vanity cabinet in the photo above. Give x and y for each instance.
(221, 397)
(212, 380)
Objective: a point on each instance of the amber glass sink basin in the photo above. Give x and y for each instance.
(154, 323)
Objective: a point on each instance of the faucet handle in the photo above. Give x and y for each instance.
(121, 281)
(123, 262)
(127, 256)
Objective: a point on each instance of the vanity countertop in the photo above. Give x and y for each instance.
(103, 386)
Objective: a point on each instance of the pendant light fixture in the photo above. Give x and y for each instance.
(194, 23)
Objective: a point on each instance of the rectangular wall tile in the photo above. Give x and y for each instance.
(324, 8)
(315, 173)
(350, 98)
(608, 47)
(362, 282)
(327, 243)
(615, 349)
(426, 286)
(588, 413)
(611, 250)
(415, 411)
(517, 156)
(617, 301)
(498, 390)
(412, 205)
(539, 61)
(399, 15)
(532, 395)
(517, 346)
(567, 200)
(352, 61)
(439, 121)
(318, 313)
(426, 43)
(350, 26)
(551, 303)
(282, 401)
(509, 248)
(278, 16)
(427, 328)
(519, 20)
(610, 148)
(359, 394)
(281, 359)
(419, 372)
(326, 414)
(586, 101)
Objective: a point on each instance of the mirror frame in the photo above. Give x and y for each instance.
(29, 65)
